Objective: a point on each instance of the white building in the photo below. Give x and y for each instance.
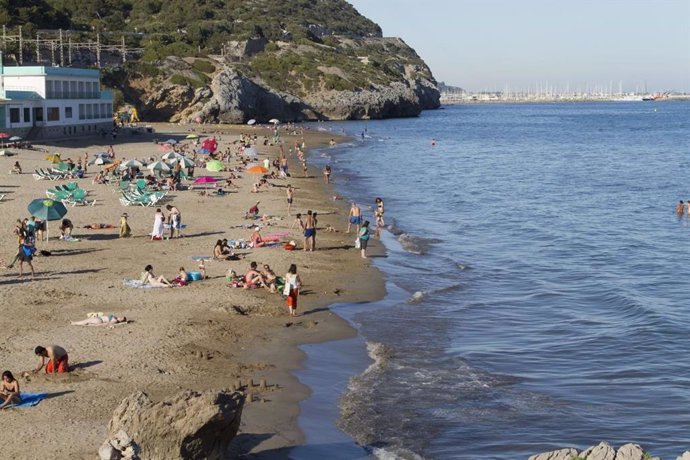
(48, 102)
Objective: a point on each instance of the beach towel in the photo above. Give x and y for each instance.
(135, 284)
(198, 258)
(276, 235)
(167, 226)
(30, 399)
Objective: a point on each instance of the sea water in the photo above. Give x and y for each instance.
(538, 283)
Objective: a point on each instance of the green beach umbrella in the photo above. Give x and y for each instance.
(62, 166)
(158, 166)
(215, 166)
(47, 210)
(186, 162)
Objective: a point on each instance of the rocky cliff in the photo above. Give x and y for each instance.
(358, 78)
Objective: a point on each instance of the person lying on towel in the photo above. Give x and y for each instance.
(57, 359)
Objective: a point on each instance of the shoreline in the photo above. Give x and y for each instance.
(181, 338)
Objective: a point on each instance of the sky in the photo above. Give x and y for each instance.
(519, 44)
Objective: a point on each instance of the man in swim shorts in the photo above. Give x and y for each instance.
(58, 361)
(309, 232)
(355, 217)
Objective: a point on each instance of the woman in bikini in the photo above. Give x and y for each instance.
(148, 277)
(100, 320)
(9, 390)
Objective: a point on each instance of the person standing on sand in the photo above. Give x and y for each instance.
(175, 217)
(290, 196)
(158, 229)
(125, 231)
(363, 236)
(292, 287)
(26, 254)
(309, 232)
(58, 361)
(355, 217)
(313, 238)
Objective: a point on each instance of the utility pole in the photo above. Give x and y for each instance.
(38, 49)
(124, 50)
(21, 47)
(98, 50)
(62, 53)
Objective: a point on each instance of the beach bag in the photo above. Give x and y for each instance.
(28, 250)
(358, 243)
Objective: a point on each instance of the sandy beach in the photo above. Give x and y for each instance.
(203, 336)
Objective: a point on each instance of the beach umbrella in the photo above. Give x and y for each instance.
(251, 151)
(251, 122)
(47, 210)
(275, 121)
(158, 166)
(62, 166)
(131, 164)
(192, 136)
(53, 158)
(186, 162)
(257, 170)
(171, 141)
(205, 180)
(15, 138)
(100, 161)
(4, 136)
(165, 147)
(112, 165)
(215, 166)
(171, 156)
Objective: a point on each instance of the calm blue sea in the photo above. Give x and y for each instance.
(538, 280)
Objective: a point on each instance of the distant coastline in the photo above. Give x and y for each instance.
(469, 99)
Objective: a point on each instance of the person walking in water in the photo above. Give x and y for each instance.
(354, 217)
(680, 208)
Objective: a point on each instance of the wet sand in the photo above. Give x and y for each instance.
(203, 336)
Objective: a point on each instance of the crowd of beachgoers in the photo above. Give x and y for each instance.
(259, 167)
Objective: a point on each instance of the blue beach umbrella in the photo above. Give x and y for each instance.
(47, 210)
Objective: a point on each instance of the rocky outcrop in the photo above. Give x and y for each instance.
(235, 98)
(191, 425)
(602, 451)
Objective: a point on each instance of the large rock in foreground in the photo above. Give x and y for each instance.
(190, 425)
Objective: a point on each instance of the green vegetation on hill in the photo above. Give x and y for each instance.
(186, 26)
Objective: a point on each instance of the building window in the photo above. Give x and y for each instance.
(38, 114)
(27, 115)
(49, 89)
(89, 111)
(14, 115)
(68, 112)
(81, 90)
(73, 89)
(53, 114)
(65, 89)
(57, 90)
(110, 110)
(82, 112)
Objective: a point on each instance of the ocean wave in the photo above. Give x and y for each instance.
(419, 296)
(394, 229)
(394, 453)
(416, 244)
